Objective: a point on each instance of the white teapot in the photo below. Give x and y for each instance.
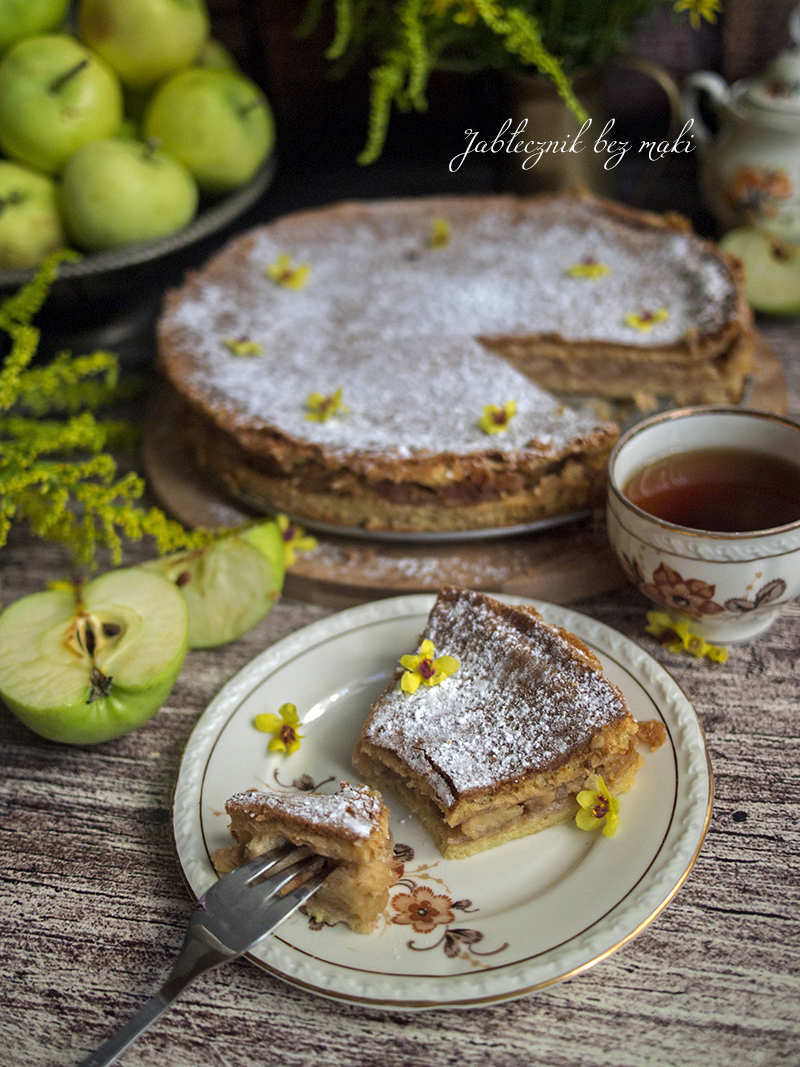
(750, 171)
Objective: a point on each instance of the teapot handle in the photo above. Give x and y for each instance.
(716, 87)
(666, 83)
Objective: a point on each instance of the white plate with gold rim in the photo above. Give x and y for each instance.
(457, 933)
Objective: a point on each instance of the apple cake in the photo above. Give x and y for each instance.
(384, 364)
(500, 748)
(350, 826)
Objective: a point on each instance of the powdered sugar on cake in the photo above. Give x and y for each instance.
(394, 323)
(352, 812)
(521, 701)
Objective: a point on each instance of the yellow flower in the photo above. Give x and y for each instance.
(699, 9)
(295, 539)
(440, 233)
(243, 346)
(588, 268)
(320, 408)
(676, 637)
(284, 272)
(646, 320)
(424, 668)
(598, 809)
(495, 419)
(284, 725)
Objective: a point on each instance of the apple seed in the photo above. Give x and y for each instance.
(85, 635)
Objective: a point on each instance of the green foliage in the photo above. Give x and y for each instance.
(411, 38)
(56, 473)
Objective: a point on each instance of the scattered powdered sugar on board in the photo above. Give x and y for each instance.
(352, 811)
(520, 701)
(424, 568)
(393, 322)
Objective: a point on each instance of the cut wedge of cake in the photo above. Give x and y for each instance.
(501, 747)
(350, 827)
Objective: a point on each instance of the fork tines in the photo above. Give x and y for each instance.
(275, 870)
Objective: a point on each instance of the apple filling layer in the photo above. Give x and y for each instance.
(500, 747)
(501, 819)
(350, 827)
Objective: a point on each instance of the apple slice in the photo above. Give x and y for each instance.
(772, 270)
(92, 667)
(229, 585)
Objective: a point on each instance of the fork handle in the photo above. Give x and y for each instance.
(198, 955)
(116, 1045)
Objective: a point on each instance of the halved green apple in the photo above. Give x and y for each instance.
(90, 666)
(772, 269)
(229, 585)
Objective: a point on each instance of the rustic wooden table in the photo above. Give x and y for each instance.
(93, 907)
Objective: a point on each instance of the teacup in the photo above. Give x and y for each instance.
(730, 583)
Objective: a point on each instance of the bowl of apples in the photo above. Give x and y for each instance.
(127, 135)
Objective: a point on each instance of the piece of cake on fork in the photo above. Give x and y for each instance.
(350, 827)
(502, 746)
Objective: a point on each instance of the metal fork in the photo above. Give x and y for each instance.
(231, 917)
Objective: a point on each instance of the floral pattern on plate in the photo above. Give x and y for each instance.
(419, 898)
(425, 908)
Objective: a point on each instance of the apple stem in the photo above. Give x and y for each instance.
(62, 79)
(150, 147)
(780, 249)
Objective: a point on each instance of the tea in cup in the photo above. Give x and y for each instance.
(704, 516)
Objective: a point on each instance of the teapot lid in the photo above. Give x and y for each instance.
(778, 88)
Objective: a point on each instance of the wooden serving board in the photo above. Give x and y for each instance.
(559, 565)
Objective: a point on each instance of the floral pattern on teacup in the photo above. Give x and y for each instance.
(767, 594)
(692, 596)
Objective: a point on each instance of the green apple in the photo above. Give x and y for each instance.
(216, 122)
(30, 224)
(145, 40)
(229, 585)
(119, 191)
(91, 667)
(25, 18)
(772, 270)
(55, 95)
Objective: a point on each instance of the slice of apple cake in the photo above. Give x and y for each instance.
(350, 826)
(503, 745)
